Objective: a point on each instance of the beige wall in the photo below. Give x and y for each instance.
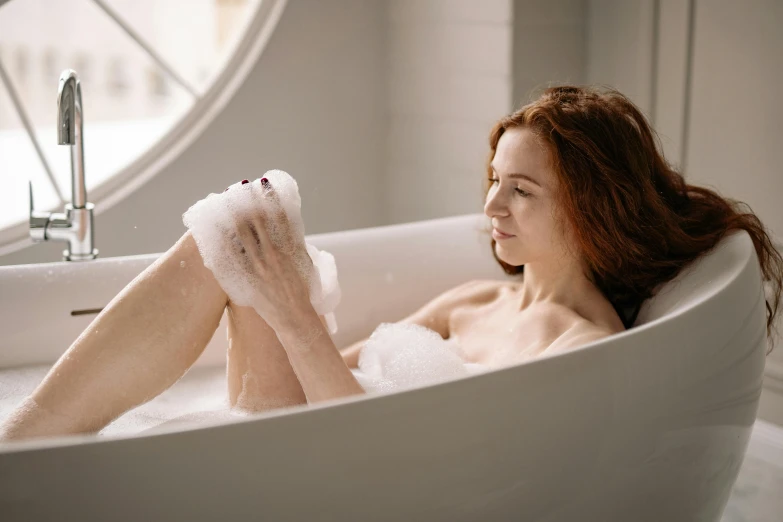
(550, 45)
(605, 42)
(671, 77)
(449, 65)
(620, 47)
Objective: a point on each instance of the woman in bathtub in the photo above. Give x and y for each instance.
(580, 199)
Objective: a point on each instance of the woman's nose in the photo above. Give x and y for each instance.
(493, 205)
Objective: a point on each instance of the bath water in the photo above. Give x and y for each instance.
(199, 395)
(396, 356)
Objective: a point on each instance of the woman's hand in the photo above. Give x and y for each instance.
(277, 259)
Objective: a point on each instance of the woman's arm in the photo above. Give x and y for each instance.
(322, 370)
(318, 365)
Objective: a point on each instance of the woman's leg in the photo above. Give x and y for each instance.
(258, 373)
(137, 347)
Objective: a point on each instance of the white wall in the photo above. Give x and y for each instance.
(620, 47)
(449, 65)
(550, 46)
(672, 71)
(313, 106)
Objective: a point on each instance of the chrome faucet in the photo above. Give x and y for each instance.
(75, 225)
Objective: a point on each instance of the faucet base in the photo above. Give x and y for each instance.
(67, 256)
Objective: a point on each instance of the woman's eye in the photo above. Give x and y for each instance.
(520, 191)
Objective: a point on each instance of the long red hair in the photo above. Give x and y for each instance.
(637, 223)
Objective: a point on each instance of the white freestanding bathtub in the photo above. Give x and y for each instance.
(648, 425)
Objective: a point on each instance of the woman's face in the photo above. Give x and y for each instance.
(520, 200)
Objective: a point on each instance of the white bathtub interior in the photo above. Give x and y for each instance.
(28, 350)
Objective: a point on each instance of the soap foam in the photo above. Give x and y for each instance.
(399, 355)
(213, 223)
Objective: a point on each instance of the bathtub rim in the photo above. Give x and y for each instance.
(475, 217)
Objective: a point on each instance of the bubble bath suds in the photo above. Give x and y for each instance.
(399, 355)
(212, 222)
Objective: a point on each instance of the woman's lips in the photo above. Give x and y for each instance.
(500, 235)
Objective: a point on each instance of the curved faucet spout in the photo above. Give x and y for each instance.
(75, 225)
(70, 131)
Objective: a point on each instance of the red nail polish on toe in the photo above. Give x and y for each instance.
(245, 181)
(264, 182)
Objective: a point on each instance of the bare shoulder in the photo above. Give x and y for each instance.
(470, 290)
(578, 333)
(435, 314)
(473, 292)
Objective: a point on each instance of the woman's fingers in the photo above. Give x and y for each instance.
(250, 242)
(261, 221)
(279, 212)
(243, 236)
(279, 226)
(291, 244)
(256, 236)
(266, 229)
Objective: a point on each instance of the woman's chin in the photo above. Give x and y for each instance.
(504, 255)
